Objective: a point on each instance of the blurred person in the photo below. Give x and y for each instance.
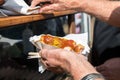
(105, 50)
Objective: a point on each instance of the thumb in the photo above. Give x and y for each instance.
(50, 8)
(34, 3)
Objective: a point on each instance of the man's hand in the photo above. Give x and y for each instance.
(59, 60)
(59, 5)
(110, 69)
(36, 2)
(1, 2)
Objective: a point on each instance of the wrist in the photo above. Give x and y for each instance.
(93, 76)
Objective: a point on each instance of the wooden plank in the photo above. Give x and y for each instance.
(15, 20)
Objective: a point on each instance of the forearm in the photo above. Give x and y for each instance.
(107, 11)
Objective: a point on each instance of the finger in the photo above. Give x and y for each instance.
(50, 67)
(45, 63)
(54, 1)
(47, 12)
(40, 53)
(46, 9)
(55, 69)
(36, 2)
(51, 7)
(44, 54)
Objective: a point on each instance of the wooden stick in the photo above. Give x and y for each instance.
(32, 55)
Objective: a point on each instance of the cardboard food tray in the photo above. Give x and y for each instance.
(40, 45)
